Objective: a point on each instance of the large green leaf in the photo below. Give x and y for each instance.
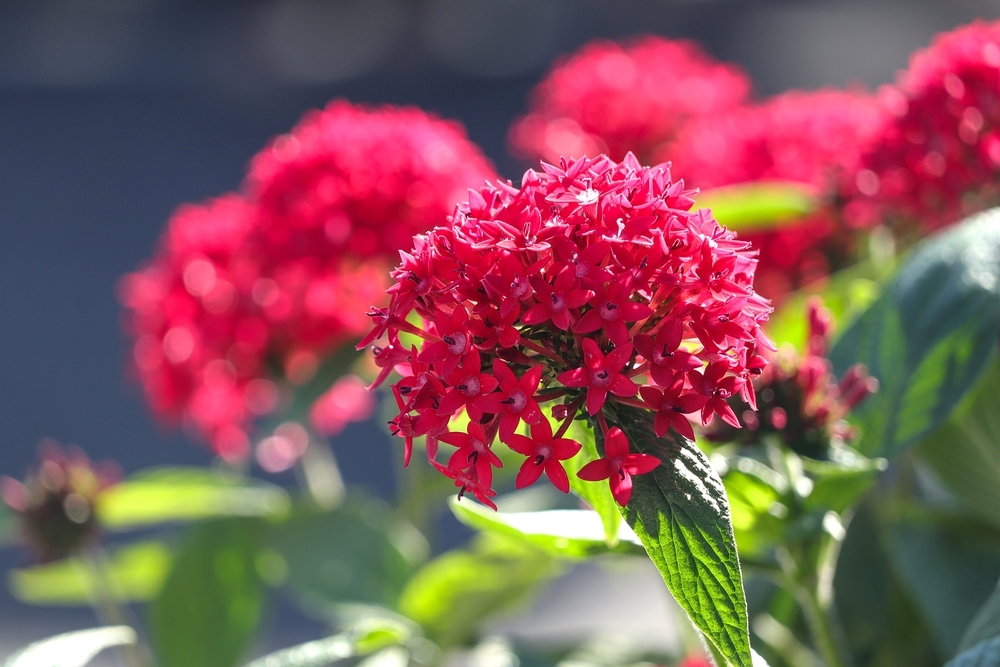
(135, 573)
(759, 205)
(681, 514)
(186, 494)
(452, 594)
(566, 533)
(210, 606)
(929, 337)
(985, 624)
(71, 649)
(965, 452)
(358, 553)
(983, 654)
(949, 565)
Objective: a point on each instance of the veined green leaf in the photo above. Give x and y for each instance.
(567, 533)
(681, 514)
(135, 573)
(72, 649)
(186, 494)
(759, 205)
(210, 605)
(929, 337)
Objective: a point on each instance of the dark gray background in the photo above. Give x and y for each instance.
(113, 112)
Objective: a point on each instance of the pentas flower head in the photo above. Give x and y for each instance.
(799, 399)
(939, 157)
(815, 138)
(592, 283)
(611, 98)
(249, 292)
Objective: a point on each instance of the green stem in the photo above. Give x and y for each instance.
(321, 476)
(107, 607)
(807, 587)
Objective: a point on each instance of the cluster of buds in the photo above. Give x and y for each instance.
(592, 283)
(56, 501)
(250, 291)
(798, 398)
(814, 138)
(613, 99)
(939, 153)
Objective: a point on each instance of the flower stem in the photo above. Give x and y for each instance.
(321, 475)
(107, 607)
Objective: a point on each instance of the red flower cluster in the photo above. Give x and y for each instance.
(614, 99)
(56, 501)
(815, 138)
(248, 291)
(593, 282)
(939, 158)
(799, 398)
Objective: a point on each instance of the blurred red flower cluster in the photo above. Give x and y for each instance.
(592, 283)
(915, 156)
(249, 290)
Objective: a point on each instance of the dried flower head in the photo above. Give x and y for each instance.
(56, 501)
(592, 281)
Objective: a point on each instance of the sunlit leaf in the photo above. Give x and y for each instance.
(210, 605)
(759, 205)
(366, 638)
(135, 573)
(567, 533)
(453, 593)
(929, 337)
(186, 494)
(597, 495)
(72, 649)
(755, 502)
(681, 514)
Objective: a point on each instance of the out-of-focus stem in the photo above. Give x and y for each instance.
(107, 607)
(321, 474)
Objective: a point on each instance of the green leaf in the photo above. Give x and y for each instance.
(72, 649)
(452, 594)
(566, 533)
(211, 603)
(983, 654)
(186, 494)
(756, 504)
(929, 337)
(135, 573)
(985, 624)
(949, 565)
(597, 495)
(840, 483)
(681, 514)
(965, 452)
(358, 553)
(758, 206)
(846, 293)
(8, 525)
(365, 638)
